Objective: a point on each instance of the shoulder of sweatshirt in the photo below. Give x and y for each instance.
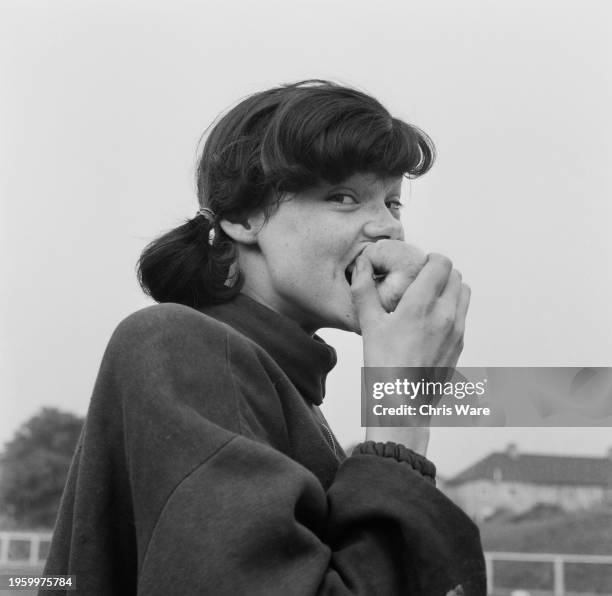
(170, 320)
(177, 328)
(169, 353)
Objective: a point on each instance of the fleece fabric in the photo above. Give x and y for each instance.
(206, 467)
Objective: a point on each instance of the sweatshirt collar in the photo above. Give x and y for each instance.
(305, 359)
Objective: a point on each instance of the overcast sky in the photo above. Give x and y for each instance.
(103, 103)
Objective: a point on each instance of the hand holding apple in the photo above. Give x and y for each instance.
(396, 265)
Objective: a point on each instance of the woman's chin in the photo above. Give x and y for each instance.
(349, 321)
(339, 312)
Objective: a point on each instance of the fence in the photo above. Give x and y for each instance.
(24, 549)
(29, 549)
(558, 562)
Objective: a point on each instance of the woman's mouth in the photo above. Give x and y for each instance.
(348, 274)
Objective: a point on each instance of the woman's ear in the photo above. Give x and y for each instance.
(243, 231)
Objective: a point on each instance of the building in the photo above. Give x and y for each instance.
(517, 482)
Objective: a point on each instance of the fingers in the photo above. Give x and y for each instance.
(429, 284)
(453, 288)
(458, 328)
(462, 307)
(427, 326)
(399, 264)
(456, 297)
(439, 296)
(390, 256)
(364, 292)
(432, 279)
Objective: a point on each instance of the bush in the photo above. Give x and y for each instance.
(35, 465)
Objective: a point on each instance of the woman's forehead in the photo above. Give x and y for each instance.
(370, 182)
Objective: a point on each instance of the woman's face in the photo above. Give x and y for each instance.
(298, 266)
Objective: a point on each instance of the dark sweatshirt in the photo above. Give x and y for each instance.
(206, 467)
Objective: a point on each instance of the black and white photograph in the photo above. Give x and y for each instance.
(306, 298)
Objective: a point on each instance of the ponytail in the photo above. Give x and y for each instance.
(183, 266)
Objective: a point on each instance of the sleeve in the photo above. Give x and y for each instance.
(167, 490)
(251, 521)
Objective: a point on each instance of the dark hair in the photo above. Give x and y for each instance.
(284, 139)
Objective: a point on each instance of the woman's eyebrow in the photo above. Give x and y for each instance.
(343, 187)
(388, 190)
(367, 189)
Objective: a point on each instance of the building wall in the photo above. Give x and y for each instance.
(481, 498)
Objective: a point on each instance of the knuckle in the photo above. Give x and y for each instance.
(372, 253)
(384, 251)
(441, 260)
(383, 243)
(368, 250)
(418, 309)
(446, 318)
(375, 248)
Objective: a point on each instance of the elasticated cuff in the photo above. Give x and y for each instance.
(400, 453)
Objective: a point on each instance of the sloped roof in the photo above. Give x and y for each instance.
(539, 469)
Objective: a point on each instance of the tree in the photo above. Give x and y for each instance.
(35, 466)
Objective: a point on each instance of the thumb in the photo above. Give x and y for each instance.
(364, 292)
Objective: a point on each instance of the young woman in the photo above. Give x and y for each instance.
(205, 465)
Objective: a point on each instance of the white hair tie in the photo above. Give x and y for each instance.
(209, 214)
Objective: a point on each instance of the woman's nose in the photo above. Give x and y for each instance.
(383, 224)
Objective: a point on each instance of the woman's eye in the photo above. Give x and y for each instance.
(394, 205)
(343, 199)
